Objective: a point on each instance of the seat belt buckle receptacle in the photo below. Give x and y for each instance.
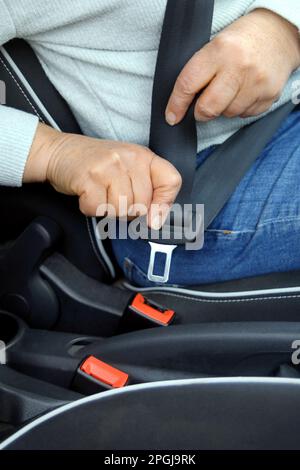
(152, 311)
(94, 375)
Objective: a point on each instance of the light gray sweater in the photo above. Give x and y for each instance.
(101, 55)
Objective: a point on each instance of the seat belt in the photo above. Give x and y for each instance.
(30, 90)
(187, 28)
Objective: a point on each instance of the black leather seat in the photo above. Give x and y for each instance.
(220, 414)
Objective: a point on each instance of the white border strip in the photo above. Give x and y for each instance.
(148, 386)
(214, 295)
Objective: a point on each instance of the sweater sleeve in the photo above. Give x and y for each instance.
(288, 9)
(17, 129)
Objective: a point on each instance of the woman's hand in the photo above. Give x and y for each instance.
(241, 72)
(101, 171)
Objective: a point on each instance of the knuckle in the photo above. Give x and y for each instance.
(222, 40)
(250, 113)
(116, 160)
(244, 61)
(234, 47)
(115, 157)
(175, 180)
(273, 92)
(86, 207)
(94, 172)
(233, 111)
(227, 40)
(228, 113)
(209, 111)
(231, 80)
(261, 75)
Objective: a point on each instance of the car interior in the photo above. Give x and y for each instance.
(89, 356)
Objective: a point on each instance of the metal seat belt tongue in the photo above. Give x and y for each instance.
(165, 242)
(171, 236)
(166, 250)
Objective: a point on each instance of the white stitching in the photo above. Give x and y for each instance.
(254, 299)
(21, 90)
(94, 246)
(212, 301)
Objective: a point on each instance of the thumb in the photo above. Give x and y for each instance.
(166, 182)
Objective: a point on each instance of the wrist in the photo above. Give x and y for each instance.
(44, 143)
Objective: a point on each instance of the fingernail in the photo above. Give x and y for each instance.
(132, 211)
(156, 223)
(171, 118)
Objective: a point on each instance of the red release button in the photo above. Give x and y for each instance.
(105, 373)
(140, 305)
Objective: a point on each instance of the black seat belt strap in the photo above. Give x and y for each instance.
(186, 29)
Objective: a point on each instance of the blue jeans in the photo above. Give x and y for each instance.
(257, 232)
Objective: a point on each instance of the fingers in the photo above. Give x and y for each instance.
(130, 195)
(120, 196)
(166, 182)
(245, 99)
(217, 97)
(93, 201)
(195, 76)
(126, 195)
(259, 107)
(236, 78)
(135, 182)
(228, 96)
(142, 193)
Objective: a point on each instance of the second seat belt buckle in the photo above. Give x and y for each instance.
(167, 251)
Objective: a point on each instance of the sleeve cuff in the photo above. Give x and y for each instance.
(288, 9)
(7, 27)
(17, 131)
